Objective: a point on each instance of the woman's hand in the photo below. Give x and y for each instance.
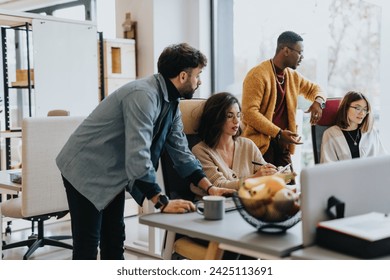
(221, 191)
(179, 206)
(265, 170)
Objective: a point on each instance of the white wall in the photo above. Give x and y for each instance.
(142, 12)
(385, 76)
(105, 18)
(161, 23)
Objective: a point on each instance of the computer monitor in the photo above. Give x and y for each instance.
(362, 184)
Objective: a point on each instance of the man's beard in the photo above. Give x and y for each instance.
(188, 95)
(188, 92)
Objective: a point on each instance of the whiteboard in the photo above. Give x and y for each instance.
(65, 66)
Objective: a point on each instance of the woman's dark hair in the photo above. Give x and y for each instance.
(180, 57)
(342, 112)
(213, 117)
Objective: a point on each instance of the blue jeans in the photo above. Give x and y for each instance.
(92, 228)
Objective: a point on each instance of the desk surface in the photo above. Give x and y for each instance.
(5, 182)
(232, 230)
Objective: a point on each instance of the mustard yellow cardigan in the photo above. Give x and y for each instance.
(259, 99)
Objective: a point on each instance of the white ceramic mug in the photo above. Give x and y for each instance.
(212, 207)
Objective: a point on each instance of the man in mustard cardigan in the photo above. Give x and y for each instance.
(270, 98)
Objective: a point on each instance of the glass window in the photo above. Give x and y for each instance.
(76, 13)
(341, 43)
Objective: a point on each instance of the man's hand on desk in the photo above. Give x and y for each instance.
(179, 206)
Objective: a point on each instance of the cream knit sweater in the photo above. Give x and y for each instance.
(219, 173)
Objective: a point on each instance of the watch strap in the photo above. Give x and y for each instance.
(279, 135)
(162, 201)
(320, 101)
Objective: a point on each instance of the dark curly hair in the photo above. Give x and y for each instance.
(179, 57)
(213, 117)
(287, 39)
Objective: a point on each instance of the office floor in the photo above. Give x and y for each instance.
(63, 228)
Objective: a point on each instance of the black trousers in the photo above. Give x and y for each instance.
(92, 228)
(279, 155)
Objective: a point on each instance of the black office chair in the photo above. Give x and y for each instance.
(177, 187)
(327, 120)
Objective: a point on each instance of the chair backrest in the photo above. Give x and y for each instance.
(58, 113)
(362, 184)
(175, 186)
(42, 188)
(327, 120)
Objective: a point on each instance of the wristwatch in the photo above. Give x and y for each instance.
(163, 201)
(320, 101)
(279, 135)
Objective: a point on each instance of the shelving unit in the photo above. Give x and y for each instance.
(47, 48)
(17, 89)
(118, 60)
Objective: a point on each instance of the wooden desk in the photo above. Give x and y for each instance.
(6, 185)
(232, 233)
(7, 134)
(10, 134)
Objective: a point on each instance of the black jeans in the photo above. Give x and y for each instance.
(279, 155)
(92, 228)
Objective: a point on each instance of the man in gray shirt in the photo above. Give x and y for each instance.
(118, 147)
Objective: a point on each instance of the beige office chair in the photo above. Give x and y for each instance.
(58, 113)
(177, 187)
(43, 194)
(51, 113)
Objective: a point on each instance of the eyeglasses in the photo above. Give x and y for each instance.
(300, 53)
(360, 109)
(230, 115)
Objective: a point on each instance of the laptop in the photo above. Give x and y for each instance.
(362, 184)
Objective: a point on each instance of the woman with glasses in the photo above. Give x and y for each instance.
(353, 136)
(225, 156)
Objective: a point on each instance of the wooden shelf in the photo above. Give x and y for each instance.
(10, 134)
